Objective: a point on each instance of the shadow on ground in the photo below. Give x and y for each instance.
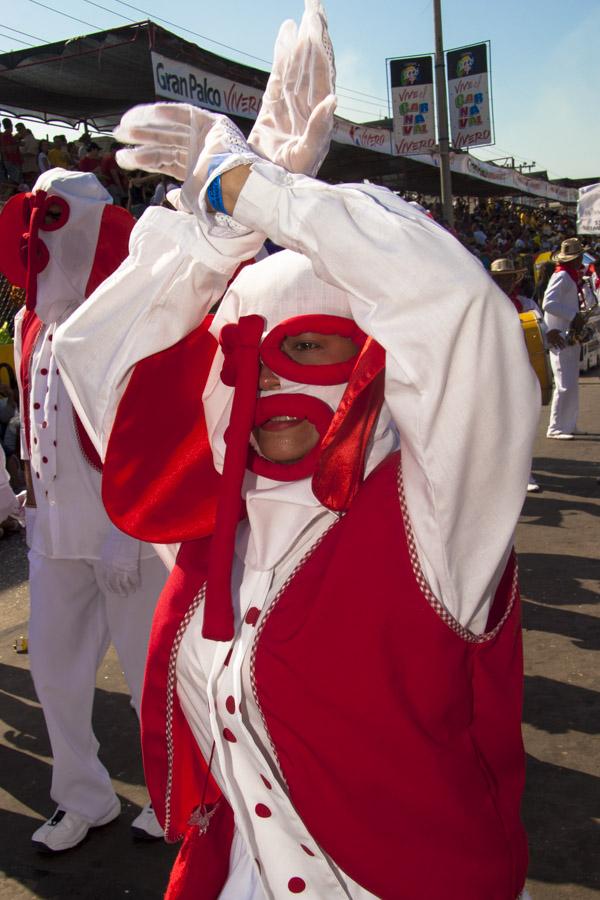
(561, 816)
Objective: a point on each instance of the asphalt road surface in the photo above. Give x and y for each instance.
(558, 541)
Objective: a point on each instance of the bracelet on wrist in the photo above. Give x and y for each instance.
(213, 192)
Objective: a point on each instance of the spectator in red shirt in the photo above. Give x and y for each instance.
(113, 178)
(91, 162)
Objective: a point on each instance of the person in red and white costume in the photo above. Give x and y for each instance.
(561, 306)
(89, 583)
(333, 692)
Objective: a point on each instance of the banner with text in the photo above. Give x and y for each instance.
(588, 209)
(469, 99)
(411, 80)
(178, 81)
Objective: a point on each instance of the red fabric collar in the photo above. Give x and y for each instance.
(570, 270)
(516, 302)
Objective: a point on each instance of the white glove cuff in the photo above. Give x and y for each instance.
(219, 223)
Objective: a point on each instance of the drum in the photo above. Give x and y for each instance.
(538, 355)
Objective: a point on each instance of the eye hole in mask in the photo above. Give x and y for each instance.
(300, 349)
(54, 212)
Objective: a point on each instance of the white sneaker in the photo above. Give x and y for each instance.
(532, 486)
(65, 830)
(146, 826)
(560, 436)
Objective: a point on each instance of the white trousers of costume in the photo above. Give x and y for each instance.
(565, 399)
(72, 622)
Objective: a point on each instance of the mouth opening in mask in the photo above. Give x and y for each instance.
(289, 428)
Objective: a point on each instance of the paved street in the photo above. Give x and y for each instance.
(558, 541)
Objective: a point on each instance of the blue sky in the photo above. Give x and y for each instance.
(545, 61)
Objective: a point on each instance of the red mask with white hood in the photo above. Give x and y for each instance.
(342, 400)
(61, 240)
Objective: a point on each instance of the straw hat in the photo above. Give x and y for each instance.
(506, 266)
(569, 250)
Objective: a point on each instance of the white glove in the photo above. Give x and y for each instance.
(293, 128)
(295, 122)
(20, 514)
(182, 141)
(9, 503)
(119, 566)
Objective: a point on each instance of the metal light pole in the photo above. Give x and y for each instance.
(442, 115)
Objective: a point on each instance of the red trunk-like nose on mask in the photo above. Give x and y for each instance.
(240, 344)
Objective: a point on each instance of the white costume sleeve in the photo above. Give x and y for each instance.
(176, 271)
(458, 379)
(560, 301)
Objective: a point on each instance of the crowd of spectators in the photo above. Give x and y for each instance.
(490, 228)
(23, 157)
(499, 228)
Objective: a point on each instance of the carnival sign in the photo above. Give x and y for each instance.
(469, 97)
(178, 81)
(588, 209)
(411, 80)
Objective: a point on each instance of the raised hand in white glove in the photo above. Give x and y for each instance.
(119, 567)
(180, 140)
(295, 122)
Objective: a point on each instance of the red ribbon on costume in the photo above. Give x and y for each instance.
(240, 344)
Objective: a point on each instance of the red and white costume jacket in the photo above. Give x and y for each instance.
(364, 684)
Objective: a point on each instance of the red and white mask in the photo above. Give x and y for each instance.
(267, 306)
(290, 300)
(60, 240)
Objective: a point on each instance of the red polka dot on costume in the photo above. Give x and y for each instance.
(37, 474)
(54, 442)
(43, 371)
(55, 406)
(57, 372)
(252, 615)
(228, 657)
(36, 405)
(306, 850)
(266, 783)
(44, 424)
(49, 337)
(35, 440)
(44, 459)
(230, 704)
(296, 885)
(229, 736)
(262, 811)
